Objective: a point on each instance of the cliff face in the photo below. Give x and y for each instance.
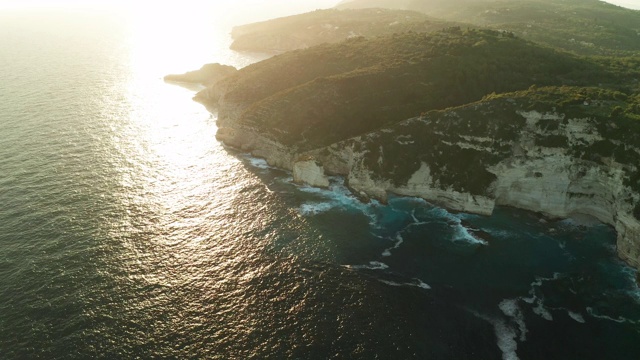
(490, 153)
(310, 172)
(352, 108)
(314, 97)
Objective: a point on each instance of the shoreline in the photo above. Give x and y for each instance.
(380, 192)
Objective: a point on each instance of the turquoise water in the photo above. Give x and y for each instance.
(127, 230)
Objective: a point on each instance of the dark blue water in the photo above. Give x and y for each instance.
(127, 231)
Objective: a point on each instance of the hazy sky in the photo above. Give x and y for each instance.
(232, 12)
(631, 4)
(245, 4)
(261, 4)
(235, 11)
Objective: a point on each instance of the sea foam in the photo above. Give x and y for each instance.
(506, 337)
(310, 209)
(417, 283)
(575, 316)
(373, 265)
(398, 241)
(510, 308)
(256, 162)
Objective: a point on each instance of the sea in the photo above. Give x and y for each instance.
(128, 232)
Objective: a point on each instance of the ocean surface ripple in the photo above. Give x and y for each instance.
(127, 231)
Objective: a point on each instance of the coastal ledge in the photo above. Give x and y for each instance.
(486, 138)
(528, 174)
(308, 171)
(207, 75)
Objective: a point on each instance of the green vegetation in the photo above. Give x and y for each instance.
(463, 90)
(581, 26)
(586, 27)
(397, 152)
(329, 26)
(311, 98)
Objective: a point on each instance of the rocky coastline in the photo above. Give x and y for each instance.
(207, 75)
(549, 180)
(466, 119)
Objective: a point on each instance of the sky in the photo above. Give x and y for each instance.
(294, 5)
(631, 4)
(247, 5)
(234, 12)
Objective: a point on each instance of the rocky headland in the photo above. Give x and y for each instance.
(207, 75)
(443, 117)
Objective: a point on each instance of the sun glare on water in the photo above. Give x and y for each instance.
(161, 144)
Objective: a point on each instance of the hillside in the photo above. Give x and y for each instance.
(557, 151)
(581, 26)
(328, 26)
(325, 94)
(457, 117)
(208, 74)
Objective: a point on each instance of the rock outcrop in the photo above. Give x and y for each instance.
(208, 74)
(489, 154)
(352, 108)
(308, 171)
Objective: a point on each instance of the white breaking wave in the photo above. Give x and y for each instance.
(511, 309)
(310, 209)
(413, 216)
(461, 233)
(256, 162)
(506, 340)
(619, 319)
(417, 283)
(373, 265)
(577, 317)
(540, 309)
(501, 233)
(337, 196)
(390, 283)
(399, 241)
(506, 336)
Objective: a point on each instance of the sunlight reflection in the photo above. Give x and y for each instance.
(167, 41)
(169, 161)
(177, 185)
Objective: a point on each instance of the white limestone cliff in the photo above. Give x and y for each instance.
(308, 171)
(546, 180)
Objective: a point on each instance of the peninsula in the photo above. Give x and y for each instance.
(466, 117)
